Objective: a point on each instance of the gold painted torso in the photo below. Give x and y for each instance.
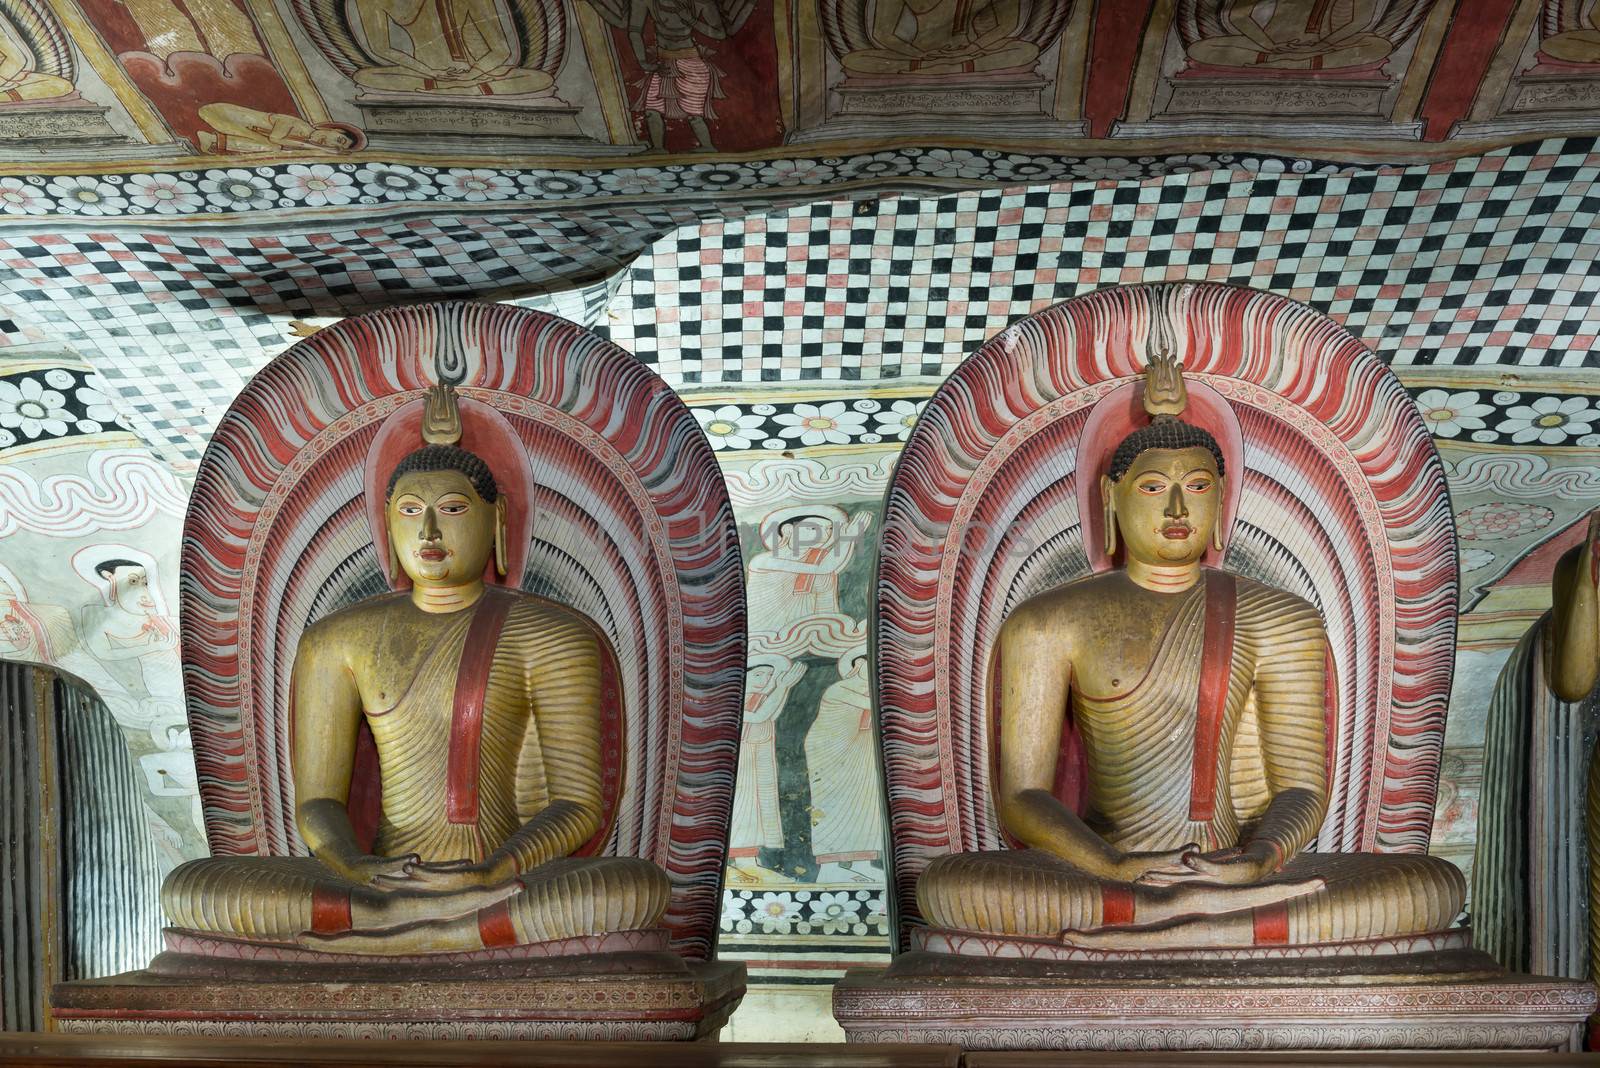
(1134, 699)
(408, 683)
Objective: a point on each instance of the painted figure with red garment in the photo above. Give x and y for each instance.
(680, 80)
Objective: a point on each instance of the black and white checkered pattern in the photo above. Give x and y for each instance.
(1488, 260)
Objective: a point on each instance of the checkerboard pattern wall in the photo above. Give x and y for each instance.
(1483, 261)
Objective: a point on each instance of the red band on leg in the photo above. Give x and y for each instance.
(330, 910)
(495, 928)
(1116, 905)
(1272, 925)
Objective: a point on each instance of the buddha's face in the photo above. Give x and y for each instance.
(1167, 505)
(442, 531)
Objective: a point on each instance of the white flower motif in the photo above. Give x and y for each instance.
(797, 172)
(878, 913)
(897, 420)
(777, 912)
(1262, 166)
(830, 423)
(729, 428)
(836, 913)
(1550, 420)
(1187, 164)
(877, 165)
(635, 181)
(733, 912)
(1472, 559)
(389, 181)
(1103, 168)
(317, 185)
(164, 193)
(719, 176)
(19, 198)
(953, 163)
(86, 195)
(96, 405)
(556, 185)
(27, 406)
(1025, 170)
(58, 378)
(477, 184)
(1448, 414)
(238, 189)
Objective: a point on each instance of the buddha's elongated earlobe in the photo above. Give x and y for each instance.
(500, 535)
(1216, 526)
(393, 557)
(1110, 515)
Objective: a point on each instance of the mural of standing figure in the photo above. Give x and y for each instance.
(1536, 871)
(793, 586)
(1313, 35)
(757, 822)
(680, 80)
(842, 759)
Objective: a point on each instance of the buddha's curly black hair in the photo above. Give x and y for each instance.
(448, 458)
(1164, 432)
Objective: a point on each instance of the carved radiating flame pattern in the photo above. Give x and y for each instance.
(633, 529)
(1343, 503)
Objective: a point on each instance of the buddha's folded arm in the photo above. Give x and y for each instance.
(1283, 642)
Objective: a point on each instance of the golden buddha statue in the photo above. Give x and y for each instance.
(929, 37)
(1167, 668)
(484, 706)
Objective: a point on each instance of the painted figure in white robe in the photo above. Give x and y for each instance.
(757, 822)
(842, 759)
(793, 586)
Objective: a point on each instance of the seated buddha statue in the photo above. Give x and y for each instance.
(1297, 36)
(939, 37)
(484, 706)
(451, 47)
(1164, 666)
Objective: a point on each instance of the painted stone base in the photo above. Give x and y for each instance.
(617, 1004)
(1454, 999)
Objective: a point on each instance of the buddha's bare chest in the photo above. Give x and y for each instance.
(1118, 640)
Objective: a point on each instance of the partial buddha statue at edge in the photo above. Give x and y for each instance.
(485, 706)
(1161, 663)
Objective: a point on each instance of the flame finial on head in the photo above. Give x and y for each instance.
(441, 416)
(1164, 393)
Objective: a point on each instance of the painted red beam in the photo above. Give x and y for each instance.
(1113, 53)
(1475, 33)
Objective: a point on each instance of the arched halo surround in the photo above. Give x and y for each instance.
(631, 525)
(1342, 500)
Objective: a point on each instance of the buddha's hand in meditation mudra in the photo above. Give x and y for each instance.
(484, 704)
(1162, 663)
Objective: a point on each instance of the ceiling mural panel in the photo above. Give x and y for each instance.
(591, 85)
